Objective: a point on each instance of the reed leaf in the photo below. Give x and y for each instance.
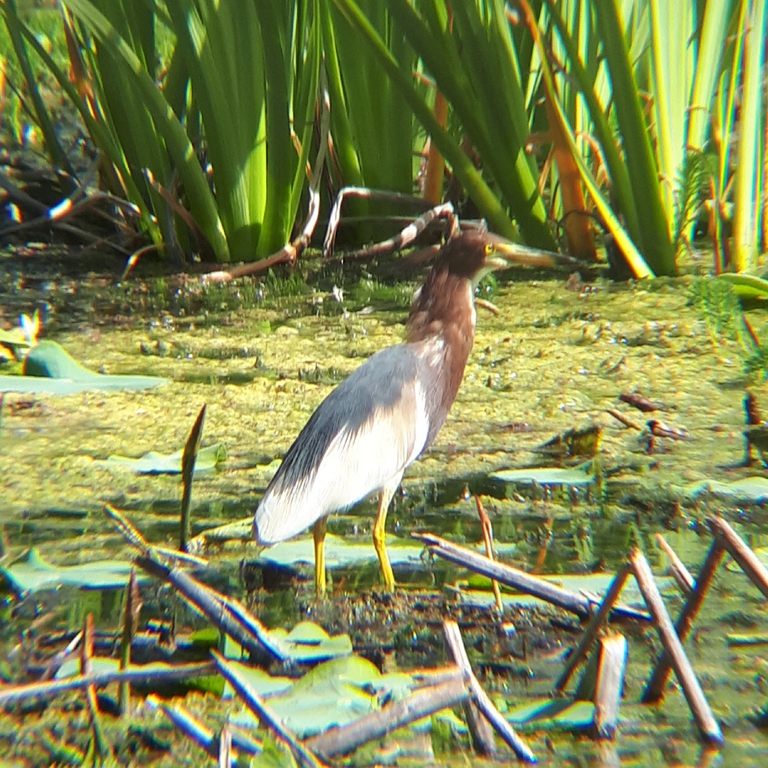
(15, 31)
(654, 238)
(475, 67)
(101, 133)
(749, 181)
(473, 182)
(145, 93)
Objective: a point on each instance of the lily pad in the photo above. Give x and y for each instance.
(584, 474)
(333, 693)
(34, 573)
(340, 553)
(152, 463)
(13, 338)
(559, 714)
(308, 641)
(595, 584)
(50, 369)
(262, 682)
(747, 488)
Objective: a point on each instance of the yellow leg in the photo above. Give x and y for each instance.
(318, 533)
(379, 539)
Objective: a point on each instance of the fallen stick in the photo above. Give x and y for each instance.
(423, 703)
(610, 682)
(485, 523)
(700, 709)
(581, 650)
(741, 553)
(135, 675)
(487, 707)
(227, 614)
(581, 605)
(225, 748)
(265, 715)
(54, 665)
(654, 689)
(134, 537)
(679, 572)
(479, 728)
(199, 732)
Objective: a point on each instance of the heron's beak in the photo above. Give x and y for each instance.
(513, 253)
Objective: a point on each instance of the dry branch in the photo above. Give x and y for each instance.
(481, 698)
(654, 690)
(610, 682)
(581, 650)
(524, 582)
(423, 703)
(702, 713)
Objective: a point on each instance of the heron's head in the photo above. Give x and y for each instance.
(473, 254)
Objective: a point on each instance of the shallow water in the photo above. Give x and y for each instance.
(549, 361)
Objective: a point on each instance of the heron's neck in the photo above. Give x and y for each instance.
(442, 323)
(444, 307)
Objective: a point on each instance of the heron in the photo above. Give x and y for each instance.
(384, 415)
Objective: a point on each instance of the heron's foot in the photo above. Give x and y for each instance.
(318, 533)
(386, 567)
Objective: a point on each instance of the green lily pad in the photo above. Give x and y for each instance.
(308, 641)
(34, 573)
(48, 368)
(262, 682)
(584, 474)
(747, 488)
(152, 463)
(340, 553)
(13, 338)
(596, 584)
(333, 693)
(559, 714)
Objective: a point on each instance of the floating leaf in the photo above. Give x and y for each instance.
(340, 553)
(15, 337)
(24, 335)
(35, 573)
(556, 714)
(333, 693)
(262, 682)
(593, 584)
(49, 369)
(308, 641)
(748, 488)
(152, 463)
(584, 474)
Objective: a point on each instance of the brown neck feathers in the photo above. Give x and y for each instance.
(444, 311)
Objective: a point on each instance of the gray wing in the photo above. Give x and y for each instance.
(361, 438)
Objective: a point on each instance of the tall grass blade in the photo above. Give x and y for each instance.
(749, 165)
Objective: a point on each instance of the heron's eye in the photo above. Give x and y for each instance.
(489, 248)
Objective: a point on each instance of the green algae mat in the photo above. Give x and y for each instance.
(549, 362)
